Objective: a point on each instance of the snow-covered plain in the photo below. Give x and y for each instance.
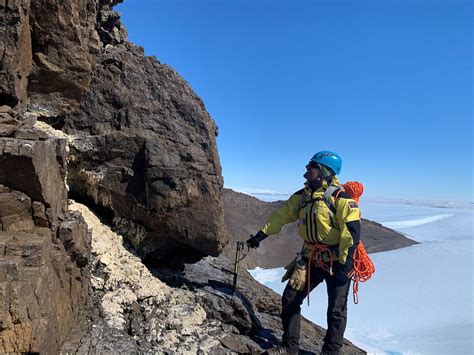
(420, 299)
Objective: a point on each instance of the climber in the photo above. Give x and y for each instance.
(329, 223)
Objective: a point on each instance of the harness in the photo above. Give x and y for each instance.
(316, 257)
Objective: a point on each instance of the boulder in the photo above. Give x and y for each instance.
(44, 250)
(15, 211)
(149, 162)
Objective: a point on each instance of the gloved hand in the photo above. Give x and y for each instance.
(289, 270)
(297, 270)
(254, 241)
(340, 274)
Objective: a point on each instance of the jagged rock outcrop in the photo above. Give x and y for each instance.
(44, 249)
(144, 150)
(245, 215)
(145, 153)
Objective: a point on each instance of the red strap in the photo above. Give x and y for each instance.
(316, 251)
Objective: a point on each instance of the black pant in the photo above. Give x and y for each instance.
(336, 313)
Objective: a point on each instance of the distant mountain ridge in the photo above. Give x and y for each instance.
(245, 215)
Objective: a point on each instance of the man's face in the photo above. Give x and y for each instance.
(312, 171)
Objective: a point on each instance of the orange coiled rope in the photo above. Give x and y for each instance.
(354, 189)
(362, 266)
(362, 269)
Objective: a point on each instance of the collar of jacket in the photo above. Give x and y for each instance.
(319, 193)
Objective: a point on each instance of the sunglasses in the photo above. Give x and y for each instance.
(324, 171)
(313, 165)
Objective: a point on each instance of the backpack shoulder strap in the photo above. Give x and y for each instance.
(327, 197)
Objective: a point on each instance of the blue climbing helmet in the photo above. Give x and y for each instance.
(330, 160)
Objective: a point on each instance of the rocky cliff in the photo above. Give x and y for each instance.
(143, 147)
(44, 248)
(84, 114)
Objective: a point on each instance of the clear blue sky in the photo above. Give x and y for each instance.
(386, 84)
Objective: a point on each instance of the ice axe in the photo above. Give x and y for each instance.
(238, 251)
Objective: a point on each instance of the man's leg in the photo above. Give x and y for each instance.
(291, 310)
(336, 316)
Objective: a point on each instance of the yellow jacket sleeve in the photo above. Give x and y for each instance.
(348, 217)
(285, 214)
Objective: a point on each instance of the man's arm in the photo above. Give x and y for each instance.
(285, 214)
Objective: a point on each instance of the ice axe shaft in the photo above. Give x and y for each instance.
(238, 250)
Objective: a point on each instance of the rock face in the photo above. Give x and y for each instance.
(144, 150)
(15, 51)
(39, 168)
(44, 249)
(48, 52)
(145, 153)
(245, 215)
(65, 46)
(46, 57)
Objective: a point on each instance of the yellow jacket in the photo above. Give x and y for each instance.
(316, 222)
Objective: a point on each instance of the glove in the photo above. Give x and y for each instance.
(254, 241)
(289, 270)
(340, 274)
(297, 270)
